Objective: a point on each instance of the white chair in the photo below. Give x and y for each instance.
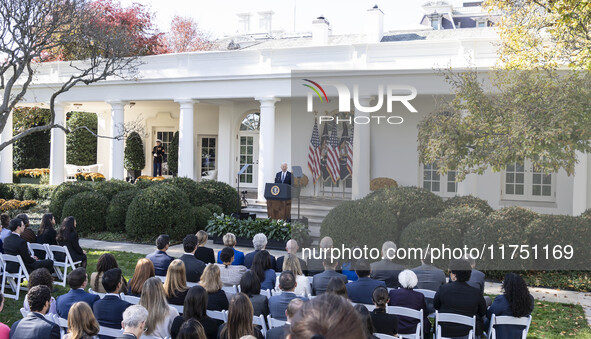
(210, 175)
(19, 276)
(278, 292)
(506, 320)
(370, 307)
(219, 315)
(427, 293)
(260, 320)
(310, 280)
(456, 319)
(162, 278)
(266, 293)
(191, 284)
(111, 332)
(62, 323)
(230, 290)
(62, 265)
(39, 247)
(274, 322)
(23, 312)
(130, 299)
(101, 295)
(410, 313)
(384, 336)
(179, 308)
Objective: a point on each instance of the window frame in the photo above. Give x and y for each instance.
(443, 183)
(528, 186)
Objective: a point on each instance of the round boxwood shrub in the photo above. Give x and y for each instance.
(189, 186)
(89, 209)
(115, 219)
(470, 201)
(462, 216)
(379, 183)
(519, 215)
(134, 159)
(81, 145)
(111, 187)
(202, 215)
(218, 193)
(143, 184)
(62, 193)
(408, 203)
(214, 209)
(359, 223)
(161, 209)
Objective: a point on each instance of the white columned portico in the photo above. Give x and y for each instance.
(226, 172)
(361, 151)
(581, 182)
(186, 138)
(266, 144)
(57, 158)
(116, 170)
(6, 154)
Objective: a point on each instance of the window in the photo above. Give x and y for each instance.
(208, 154)
(252, 122)
(523, 181)
(442, 184)
(481, 23)
(435, 22)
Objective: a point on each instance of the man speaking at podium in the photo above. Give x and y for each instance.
(283, 177)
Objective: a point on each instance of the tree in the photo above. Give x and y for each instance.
(185, 36)
(173, 154)
(134, 153)
(32, 151)
(81, 144)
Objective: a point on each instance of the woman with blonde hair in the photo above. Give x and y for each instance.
(203, 253)
(144, 270)
(240, 316)
(292, 263)
(81, 322)
(160, 314)
(211, 281)
(175, 285)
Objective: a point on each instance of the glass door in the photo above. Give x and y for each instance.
(208, 146)
(166, 136)
(248, 154)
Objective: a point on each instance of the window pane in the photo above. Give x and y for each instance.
(510, 189)
(519, 167)
(519, 189)
(546, 191)
(510, 177)
(547, 179)
(537, 179)
(511, 168)
(519, 178)
(536, 190)
(451, 187)
(435, 186)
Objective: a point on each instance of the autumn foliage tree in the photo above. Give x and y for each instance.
(185, 36)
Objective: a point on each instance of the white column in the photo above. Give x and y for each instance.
(266, 144)
(6, 154)
(468, 186)
(580, 184)
(226, 166)
(186, 138)
(57, 158)
(116, 170)
(361, 152)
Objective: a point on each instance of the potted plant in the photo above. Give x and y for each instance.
(134, 160)
(31, 176)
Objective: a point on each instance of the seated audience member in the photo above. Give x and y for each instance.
(15, 245)
(338, 287)
(316, 266)
(292, 248)
(212, 283)
(77, 280)
(144, 270)
(109, 310)
(195, 309)
(230, 241)
(191, 329)
(4, 221)
(471, 303)
(46, 233)
(262, 267)
(476, 277)
(159, 258)
(292, 263)
(4, 329)
(360, 291)
(134, 322)
(41, 276)
(429, 277)
(278, 303)
(160, 313)
(386, 270)
(280, 332)
(175, 285)
(383, 321)
(366, 321)
(259, 242)
(105, 262)
(239, 323)
(81, 322)
(203, 253)
(34, 325)
(514, 302)
(250, 285)
(406, 297)
(348, 269)
(327, 316)
(28, 235)
(193, 266)
(67, 236)
(230, 274)
(320, 280)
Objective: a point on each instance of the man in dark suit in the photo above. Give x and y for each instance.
(320, 280)
(278, 303)
(15, 245)
(34, 325)
(292, 248)
(315, 261)
(361, 291)
(193, 266)
(429, 278)
(460, 298)
(159, 258)
(259, 241)
(77, 279)
(284, 176)
(476, 277)
(134, 322)
(386, 270)
(109, 310)
(293, 308)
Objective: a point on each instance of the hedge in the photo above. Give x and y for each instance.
(587, 213)
(470, 201)
(519, 215)
(89, 209)
(117, 210)
(213, 208)
(173, 155)
(32, 151)
(81, 145)
(26, 191)
(463, 217)
(201, 215)
(218, 193)
(189, 186)
(134, 159)
(112, 187)
(62, 193)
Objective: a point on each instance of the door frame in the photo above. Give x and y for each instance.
(198, 151)
(155, 131)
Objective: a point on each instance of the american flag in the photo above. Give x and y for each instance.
(332, 157)
(346, 141)
(350, 151)
(314, 154)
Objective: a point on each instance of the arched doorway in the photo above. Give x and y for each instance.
(248, 149)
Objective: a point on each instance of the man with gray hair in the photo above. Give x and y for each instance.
(315, 262)
(292, 248)
(134, 322)
(386, 269)
(259, 241)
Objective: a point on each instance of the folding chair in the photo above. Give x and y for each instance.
(274, 322)
(162, 278)
(101, 295)
(428, 295)
(266, 293)
(506, 320)
(24, 312)
(456, 319)
(230, 290)
(219, 315)
(191, 284)
(36, 249)
(62, 323)
(59, 265)
(130, 299)
(110, 332)
(384, 336)
(19, 276)
(409, 313)
(179, 308)
(260, 320)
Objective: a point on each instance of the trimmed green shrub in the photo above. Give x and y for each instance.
(470, 201)
(408, 203)
(142, 184)
(586, 214)
(359, 223)
(81, 145)
(32, 151)
(111, 187)
(62, 193)
(519, 215)
(117, 210)
(5, 192)
(213, 208)
(26, 191)
(462, 216)
(201, 215)
(161, 209)
(173, 155)
(89, 209)
(189, 186)
(134, 153)
(218, 193)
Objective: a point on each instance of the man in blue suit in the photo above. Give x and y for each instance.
(34, 325)
(321, 280)
(259, 242)
(283, 177)
(77, 280)
(278, 303)
(109, 310)
(159, 258)
(361, 291)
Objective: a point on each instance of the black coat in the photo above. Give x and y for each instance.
(73, 243)
(460, 298)
(217, 301)
(287, 179)
(209, 325)
(205, 254)
(193, 267)
(15, 245)
(34, 325)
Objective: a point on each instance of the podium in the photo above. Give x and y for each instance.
(278, 201)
